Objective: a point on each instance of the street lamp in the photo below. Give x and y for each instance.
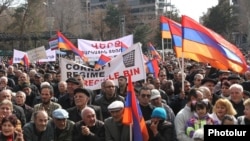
(49, 18)
(122, 27)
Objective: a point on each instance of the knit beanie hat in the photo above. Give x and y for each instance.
(159, 112)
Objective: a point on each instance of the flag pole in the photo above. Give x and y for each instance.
(162, 44)
(182, 71)
(130, 133)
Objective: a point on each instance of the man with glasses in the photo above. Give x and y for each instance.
(144, 99)
(61, 125)
(108, 97)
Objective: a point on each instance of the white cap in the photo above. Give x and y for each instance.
(155, 94)
(116, 105)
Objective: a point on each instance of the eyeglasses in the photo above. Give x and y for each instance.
(145, 95)
(110, 87)
(163, 75)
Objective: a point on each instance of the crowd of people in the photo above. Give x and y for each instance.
(36, 105)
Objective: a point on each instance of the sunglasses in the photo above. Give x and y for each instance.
(145, 95)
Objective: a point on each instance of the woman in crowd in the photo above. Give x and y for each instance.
(245, 119)
(221, 108)
(10, 130)
(6, 109)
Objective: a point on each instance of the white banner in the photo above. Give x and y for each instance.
(37, 54)
(111, 48)
(129, 62)
(18, 56)
(51, 56)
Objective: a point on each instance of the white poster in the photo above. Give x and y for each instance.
(37, 54)
(129, 62)
(111, 48)
(53, 44)
(51, 56)
(18, 56)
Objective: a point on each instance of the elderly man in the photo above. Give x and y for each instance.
(61, 125)
(4, 83)
(20, 99)
(67, 101)
(89, 128)
(114, 129)
(39, 130)
(81, 98)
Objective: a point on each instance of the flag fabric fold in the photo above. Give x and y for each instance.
(153, 67)
(25, 61)
(64, 43)
(123, 47)
(103, 59)
(198, 39)
(133, 115)
(154, 53)
(176, 33)
(165, 32)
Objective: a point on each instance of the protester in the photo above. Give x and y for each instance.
(89, 128)
(81, 98)
(6, 109)
(39, 130)
(16, 110)
(159, 128)
(156, 101)
(115, 130)
(184, 114)
(67, 101)
(201, 117)
(228, 120)
(109, 96)
(10, 130)
(62, 126)
(236, 94)
(221, 108)
(20, 99)
(46, 103)
(144, 100)
(245, 119)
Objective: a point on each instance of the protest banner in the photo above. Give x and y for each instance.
(111, 48)
(37, 54)
(129, 62)
(18, 56)
(53, 43)
(51, 56)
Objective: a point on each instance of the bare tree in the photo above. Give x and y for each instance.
(68, 15)
(98, 24)
(5, 4)
(244, 17)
